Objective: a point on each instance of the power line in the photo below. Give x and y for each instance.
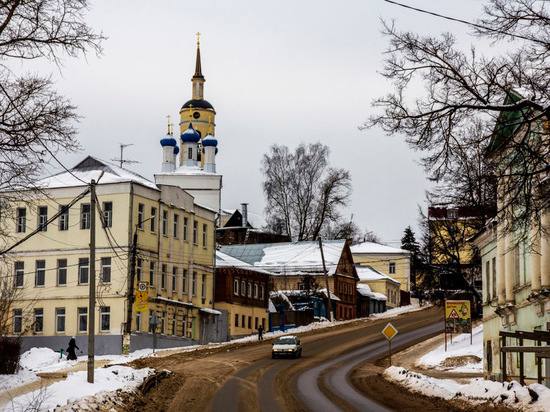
(469, 23)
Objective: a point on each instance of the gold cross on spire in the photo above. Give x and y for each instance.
(198, 34)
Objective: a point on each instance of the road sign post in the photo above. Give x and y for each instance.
(389, 333)
(458, 318)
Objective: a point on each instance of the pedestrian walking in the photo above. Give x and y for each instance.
(71, 352)
(260, 333)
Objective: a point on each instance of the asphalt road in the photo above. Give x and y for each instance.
(288, 384)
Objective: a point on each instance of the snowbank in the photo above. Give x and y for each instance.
(36, 358)
(76, 387)
(460, 347)
(534, 397)
(22, 377)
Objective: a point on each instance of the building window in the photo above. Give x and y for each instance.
(452, 213)
(236, 320)
(163, 276)
(17, 320)
(243, 321)
(19, 274)
(250, 322)
(204, 234)
(42, 218)
(39, 320)
(85, 216)
(263, 323)
(141, 217)
(195, 233)
(165, 222)
(40, 273)
(175, 225)
(391, 268)
(82, 319)
(255, 323)
(21, 220)
(83, 270)
(255, 291)
(185, 225)
(106, 269)
(60, 320)
(139, 269)
(236, 287)
(249, 290)
(105, 318)
(516, 266)
(153, 221)
(64, 218)
(138, 321)
(262, 292)
(61, 272)
(152, 321)
(174, 277)
(203, 286)
(108, 214)
(162, 323)
(488, 280)
(151, 273)
(194, 284)
(174, 324)
(494, 277)
(184, 281)
(243, 288)
(190, 153)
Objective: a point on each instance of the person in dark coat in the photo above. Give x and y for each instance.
(71, 352)
(260, 333)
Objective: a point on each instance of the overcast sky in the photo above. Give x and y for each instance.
(280, 72)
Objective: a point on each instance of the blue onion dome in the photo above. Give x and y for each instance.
(176, 150)
(168, 141)
(190, 135)
(209, 141)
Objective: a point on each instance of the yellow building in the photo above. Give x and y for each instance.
(380, 284)
(174, 257)
(394, 262)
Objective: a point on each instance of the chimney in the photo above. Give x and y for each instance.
(244, 213)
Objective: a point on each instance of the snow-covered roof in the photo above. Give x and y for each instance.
(92, 168)
(380, 296)
(377, 248)
(289, 257)
(367, 273)
(210, 311)
(225, 260)
(190, 170)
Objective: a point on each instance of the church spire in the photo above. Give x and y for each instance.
(198, 78)
(198, 67)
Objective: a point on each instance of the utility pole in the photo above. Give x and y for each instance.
(91, 282)
(331, 313)
(131, 278)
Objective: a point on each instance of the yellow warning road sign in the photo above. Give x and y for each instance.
(389, 331)
(141, 302)
(453, 314)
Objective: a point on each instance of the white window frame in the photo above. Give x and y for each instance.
(106, 265)
(184, 281)
(82, 266)
(85, 216)
(21, 224)
(165, 219)
(17, 318)
(153, 221)
(108, 214)
(104, 311)
(236, 286)
(151, 273)
(58, 316)
(38, 314)
(58, 272)
(39, 273)
(175, 225)
(82, 312)
(140, 215)
(19, 274)
(42, 218)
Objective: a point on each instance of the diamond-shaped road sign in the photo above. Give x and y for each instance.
(389, 331)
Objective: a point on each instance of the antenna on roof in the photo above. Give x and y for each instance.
(121, 160)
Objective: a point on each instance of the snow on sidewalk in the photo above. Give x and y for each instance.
(534, 397)
(76, 387)
(460, 347)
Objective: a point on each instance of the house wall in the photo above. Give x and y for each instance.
(252, 315)
(388, 288)
(381, 262)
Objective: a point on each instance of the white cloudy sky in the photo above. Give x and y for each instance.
(277, 72)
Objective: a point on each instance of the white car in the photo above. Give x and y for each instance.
(286, 346)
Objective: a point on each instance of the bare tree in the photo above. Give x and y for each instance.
(36, 122)
(465, 90)
(303, 193)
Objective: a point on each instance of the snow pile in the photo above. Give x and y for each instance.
(534, 397)
(37, 358)
(22, 377)
(459, 348)
(76, 387)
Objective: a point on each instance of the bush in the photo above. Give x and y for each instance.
(9, 354)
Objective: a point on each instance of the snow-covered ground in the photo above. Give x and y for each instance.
(22, 377)
(534, 397)
(460, 347)
(76, 387)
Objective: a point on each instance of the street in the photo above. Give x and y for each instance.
(247, 379)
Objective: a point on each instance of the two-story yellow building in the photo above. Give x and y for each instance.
(174, 256)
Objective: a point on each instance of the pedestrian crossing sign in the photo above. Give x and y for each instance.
(389, 331)
(453, 314)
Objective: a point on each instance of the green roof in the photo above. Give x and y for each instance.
(508, 122)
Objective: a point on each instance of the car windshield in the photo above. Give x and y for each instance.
(286, 340)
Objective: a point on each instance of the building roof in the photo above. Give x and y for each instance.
(197, 104)
(377, 248)
(508, 122)
(365, 290)
(224, 260)
(289, 257)
(368, 273)
(92, 168)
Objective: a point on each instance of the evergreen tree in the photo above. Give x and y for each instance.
(408, 242)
